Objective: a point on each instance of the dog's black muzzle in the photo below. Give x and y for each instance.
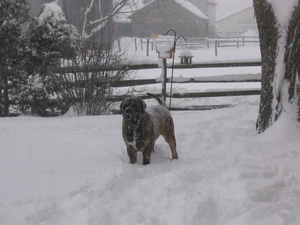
(131, 117)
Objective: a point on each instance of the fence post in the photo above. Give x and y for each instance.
(119, 45)
(207, 41)
(135, 44)
(216, 47)
(237, 43)
(147, 47)
(141, 44)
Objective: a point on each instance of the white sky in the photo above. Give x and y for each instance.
(226, 7)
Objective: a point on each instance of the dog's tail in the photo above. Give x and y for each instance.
(160, 101)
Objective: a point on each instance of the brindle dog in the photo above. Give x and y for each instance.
(141, 127)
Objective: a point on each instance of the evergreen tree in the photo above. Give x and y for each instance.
(13, 14)
(49, 39)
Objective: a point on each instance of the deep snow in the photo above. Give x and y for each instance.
(75, 170)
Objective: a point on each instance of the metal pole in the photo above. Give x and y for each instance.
(164, 81)
(170, 104)
(171, 88)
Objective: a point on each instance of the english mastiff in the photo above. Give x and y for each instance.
(142, 125)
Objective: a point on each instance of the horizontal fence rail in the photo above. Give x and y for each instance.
(117, 98)
(155, 66)
(211, 79)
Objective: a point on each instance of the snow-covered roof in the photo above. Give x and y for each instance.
(233, 13)
(192, 8)
(185, 4)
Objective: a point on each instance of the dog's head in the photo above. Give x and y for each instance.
(132, 110)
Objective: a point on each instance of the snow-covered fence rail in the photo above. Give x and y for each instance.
(155, 65)
(235, 41)
(195, 42)
(229, 93)
(212, 79)
(226, 42)
(241, 39)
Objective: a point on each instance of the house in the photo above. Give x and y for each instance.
(189, 18)
(237, 22)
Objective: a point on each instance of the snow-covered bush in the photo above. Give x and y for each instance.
(50, 36)
(13, 14)
(50, 39)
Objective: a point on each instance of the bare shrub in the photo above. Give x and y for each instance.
(85, 80)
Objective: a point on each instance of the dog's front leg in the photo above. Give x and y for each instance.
(146, 155)
(132, 154)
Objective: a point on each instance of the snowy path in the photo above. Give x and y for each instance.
(67, 171)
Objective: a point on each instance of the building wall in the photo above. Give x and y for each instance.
(212, 20)
(238, 23)
(159, 18)
(209, 10)
(201, 4)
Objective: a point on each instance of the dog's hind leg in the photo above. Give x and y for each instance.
(171, 140)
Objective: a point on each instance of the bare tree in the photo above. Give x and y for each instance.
(280, 52)
(99, 14)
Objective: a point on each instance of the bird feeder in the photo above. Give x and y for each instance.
(186, 57)
(165, 51)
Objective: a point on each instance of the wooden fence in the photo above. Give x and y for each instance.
(212, 79)
(215, 79)
(194, 43)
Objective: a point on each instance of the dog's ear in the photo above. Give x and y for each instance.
(121, 106)
(143, 105)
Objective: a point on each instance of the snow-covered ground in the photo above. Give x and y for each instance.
(75, 170)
